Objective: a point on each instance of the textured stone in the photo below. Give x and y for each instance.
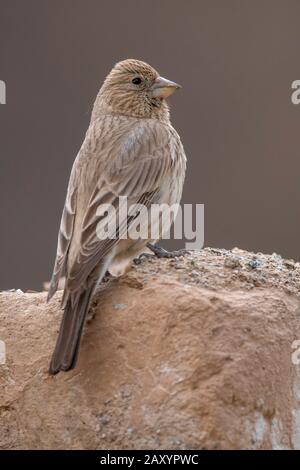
(170, 360)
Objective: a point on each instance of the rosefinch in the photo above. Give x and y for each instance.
(130, 149)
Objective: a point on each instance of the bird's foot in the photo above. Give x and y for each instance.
(159, 252)
(162, 253)
(141, 257)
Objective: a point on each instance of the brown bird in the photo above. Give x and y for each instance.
(130, 149)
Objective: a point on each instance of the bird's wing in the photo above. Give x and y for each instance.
(65, 232)
(132, 161)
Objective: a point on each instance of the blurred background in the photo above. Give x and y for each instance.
(236, 60)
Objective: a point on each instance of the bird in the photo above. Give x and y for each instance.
(130, 150)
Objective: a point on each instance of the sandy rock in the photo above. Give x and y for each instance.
(181, 354)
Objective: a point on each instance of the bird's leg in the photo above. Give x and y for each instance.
(160, 252)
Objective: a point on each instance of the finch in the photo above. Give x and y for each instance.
(130, 149)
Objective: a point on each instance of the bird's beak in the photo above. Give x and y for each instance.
(162, 88)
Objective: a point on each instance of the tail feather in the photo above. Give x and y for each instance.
(67, 346)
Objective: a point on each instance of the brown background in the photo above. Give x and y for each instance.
(236, 61)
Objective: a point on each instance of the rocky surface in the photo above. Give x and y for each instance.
(191, 353)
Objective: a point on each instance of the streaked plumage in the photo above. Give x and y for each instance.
(130, 149)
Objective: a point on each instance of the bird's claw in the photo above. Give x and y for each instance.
(162, 253)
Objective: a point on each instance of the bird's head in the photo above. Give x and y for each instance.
(134, 88)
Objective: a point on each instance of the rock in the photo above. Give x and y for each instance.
(253, 263)
(193, 361)
(232, 262)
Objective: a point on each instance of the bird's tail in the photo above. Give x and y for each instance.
(67, 346)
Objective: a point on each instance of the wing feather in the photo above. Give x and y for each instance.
(121, 157)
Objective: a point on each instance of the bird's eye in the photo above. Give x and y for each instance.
(137, 81)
